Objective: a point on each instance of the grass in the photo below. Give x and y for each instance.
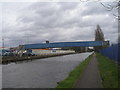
(74, 75)
(108, 71)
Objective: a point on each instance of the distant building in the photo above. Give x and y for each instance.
(47, 42)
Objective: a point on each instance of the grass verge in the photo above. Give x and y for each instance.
(74, 75)
(108, 71)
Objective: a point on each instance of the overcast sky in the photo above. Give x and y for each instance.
(36, 22)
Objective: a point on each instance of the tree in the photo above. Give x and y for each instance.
(99, 36)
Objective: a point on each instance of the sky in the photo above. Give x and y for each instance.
(36, 22)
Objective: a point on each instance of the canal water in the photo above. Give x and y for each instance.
(41, 73)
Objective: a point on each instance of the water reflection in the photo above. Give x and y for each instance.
(43, 73)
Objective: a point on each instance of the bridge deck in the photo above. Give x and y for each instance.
(66, 44)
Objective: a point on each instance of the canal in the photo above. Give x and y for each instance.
(41, 73)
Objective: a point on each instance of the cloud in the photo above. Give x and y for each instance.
(56, 21)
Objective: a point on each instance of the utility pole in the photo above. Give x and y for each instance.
(3, 43)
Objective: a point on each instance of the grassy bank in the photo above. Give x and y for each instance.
(74, 75)
(108, 71)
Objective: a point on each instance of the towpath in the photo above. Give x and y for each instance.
(90, 77)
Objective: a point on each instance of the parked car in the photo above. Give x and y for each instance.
(31, 54)
(6, 53)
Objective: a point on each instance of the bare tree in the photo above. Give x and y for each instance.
(109, 6)
(114, 5)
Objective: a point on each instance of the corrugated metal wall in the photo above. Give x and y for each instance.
(112, 52)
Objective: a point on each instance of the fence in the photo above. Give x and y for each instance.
(112, 52)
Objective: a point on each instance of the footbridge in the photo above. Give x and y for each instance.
(66, 44)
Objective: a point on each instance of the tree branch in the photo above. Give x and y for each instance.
(108, 6)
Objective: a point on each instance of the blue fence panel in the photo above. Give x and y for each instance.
(119, 52)
(112, 52)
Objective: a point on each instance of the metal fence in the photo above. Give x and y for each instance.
(112, 52)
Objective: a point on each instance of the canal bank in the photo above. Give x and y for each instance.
(97, 71)
(72, 79)
(9, 59)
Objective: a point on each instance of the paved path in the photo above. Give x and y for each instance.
(90, 77)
